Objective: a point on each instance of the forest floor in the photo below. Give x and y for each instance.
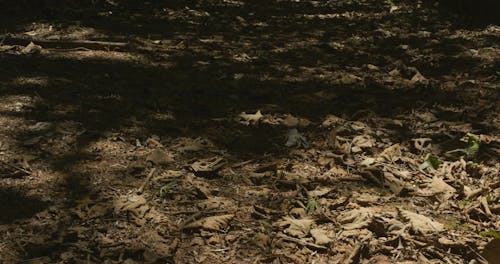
(269, 131)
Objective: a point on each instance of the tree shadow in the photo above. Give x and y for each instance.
(17, 206)
(192, 68)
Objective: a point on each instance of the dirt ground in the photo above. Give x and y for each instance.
(220, 131)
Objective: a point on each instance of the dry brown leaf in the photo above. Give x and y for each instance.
(296, 227)
(214, 203)
(194, 144)
(215, 223)
(208, 165)
(332, 120)
(248, 119)
(133, 204)
(32, 48)
(392, 153)
(159, 157)
(420, 223)
(262, 241)
(422, 144)
(396, 185)
(319, 191)
(356, 219)
(440, 188)
(360, 142)
(419, 78)
(292, 121)
(320, 236)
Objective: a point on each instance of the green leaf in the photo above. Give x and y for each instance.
(473, 147)
(167, 189)
(311, 206)
(463, 203)
(432, 162)
(490, 233)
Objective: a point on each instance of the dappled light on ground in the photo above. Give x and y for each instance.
(247, 132)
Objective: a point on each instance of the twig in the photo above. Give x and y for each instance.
(146, 181)
(300, 242)
(46, 43)
(219, 250)
(15, 167)
(475, 193)
(241, 164)
(487, 210)
(355, 254)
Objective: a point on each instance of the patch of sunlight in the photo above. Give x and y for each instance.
(31, 80)
(97, 54)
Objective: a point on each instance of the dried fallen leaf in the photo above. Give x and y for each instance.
(420, 223)
(248, 119)
(440, 188)
(356, 219)
(320, 236)
(215, 223)
(205, 166)
(419, 78)
(319, 191)
(292, 121)
(392, 153)
(296, 227)
(135, 205)
(262, 240)
(32, 48)
(159, 157)
(360, 142)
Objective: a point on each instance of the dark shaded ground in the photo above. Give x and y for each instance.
(79, 121)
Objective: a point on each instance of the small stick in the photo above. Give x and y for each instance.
(241, 164)
(15, 167)
(474, 193)
(146, 181)
(356, 252)
(487, 210)
(300, 242)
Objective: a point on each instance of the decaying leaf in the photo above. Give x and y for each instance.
(419, 78)
(361, 142)
(32, 48)
(159, 157)
(292, 121)
(296, 227)
(214, 203)
(356, 219)
(422, 144)
(215, 223)
(392, 153)
(319, 191)
(208, 165)
(332, 120)
(262, 241)
(420, 223)
(320, 236)
(248, 119)
(196, 144)
(438, 186)
(133, 205)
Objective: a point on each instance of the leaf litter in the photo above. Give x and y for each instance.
(358, 154)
